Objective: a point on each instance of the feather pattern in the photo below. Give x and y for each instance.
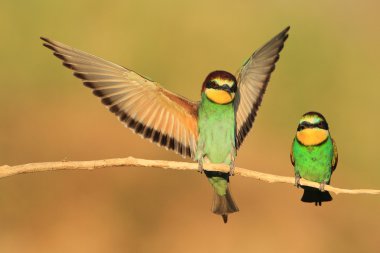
(253, 78)
(144, 106)
(334, 162)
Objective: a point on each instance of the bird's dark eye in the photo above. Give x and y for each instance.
(300, 127)
(234, 87)
(323, 125)
(212, 85)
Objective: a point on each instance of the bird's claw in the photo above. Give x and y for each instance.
(232, 169)
(200, 168)
(297, 181)
(322, 186)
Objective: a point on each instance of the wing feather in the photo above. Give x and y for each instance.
(334, 162)
(291, 153)
(141, 104)
(253, 78)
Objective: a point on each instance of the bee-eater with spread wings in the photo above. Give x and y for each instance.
(209, 131)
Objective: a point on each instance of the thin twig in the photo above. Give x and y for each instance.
(6, 170)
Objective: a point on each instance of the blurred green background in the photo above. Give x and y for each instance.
(329, 64)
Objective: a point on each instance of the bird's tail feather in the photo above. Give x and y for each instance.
(224, 205)
(311, 195)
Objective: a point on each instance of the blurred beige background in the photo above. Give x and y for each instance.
(330, 64)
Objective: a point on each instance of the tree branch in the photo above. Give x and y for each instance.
(6, 170)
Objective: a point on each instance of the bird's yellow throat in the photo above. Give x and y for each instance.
(219, 96)
(312, 136)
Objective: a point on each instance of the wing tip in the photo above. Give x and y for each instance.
(79, 75)
(285, 31)
(69, 66)
(48, 42)
(49, 46)
(59, 56)
(44, 39)
(283, 35)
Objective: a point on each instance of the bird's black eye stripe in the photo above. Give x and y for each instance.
(212, 85)
(300, 127)
(233, 88)
(304, 125)
(321, 125)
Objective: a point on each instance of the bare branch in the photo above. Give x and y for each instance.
(6, 170)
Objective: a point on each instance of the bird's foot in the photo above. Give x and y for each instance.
(297, 181)
(322, 186)
(232, 169)
(200, 167)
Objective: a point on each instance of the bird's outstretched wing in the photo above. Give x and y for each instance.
(334, 162)
(253, 78)
(143, 105)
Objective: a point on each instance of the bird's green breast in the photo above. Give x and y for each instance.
(216, 125)
(314, 162)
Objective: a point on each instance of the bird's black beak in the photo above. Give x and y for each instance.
(321, 125)
(228, 88)
(225, 87)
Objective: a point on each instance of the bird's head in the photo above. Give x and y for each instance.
(220, 87)
(312, 129)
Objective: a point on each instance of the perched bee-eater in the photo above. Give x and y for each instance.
(209, 131)
(314, 156)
